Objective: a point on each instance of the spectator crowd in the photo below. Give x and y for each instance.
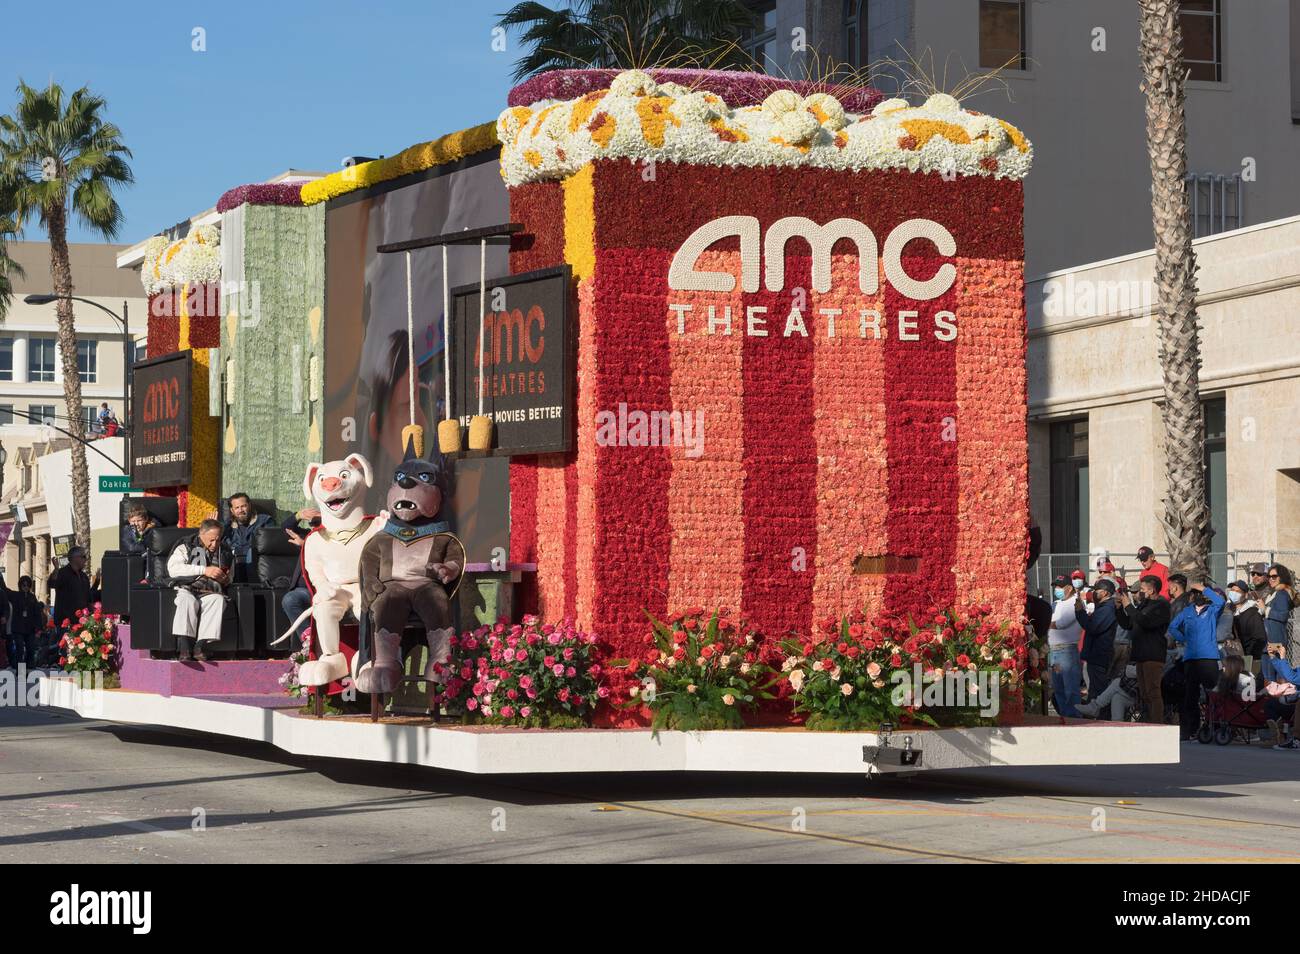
(1165, 648)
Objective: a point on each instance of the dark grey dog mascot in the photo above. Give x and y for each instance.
(412, 565)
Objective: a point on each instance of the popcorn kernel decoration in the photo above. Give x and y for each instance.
(823, 411)
(787, 129)
(413, 435)
(480, 432)
(449, 435)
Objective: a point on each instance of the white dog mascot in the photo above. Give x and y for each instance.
(331, 558)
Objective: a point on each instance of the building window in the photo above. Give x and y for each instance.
(759, 41)
(1216, 203)
(1202, 25)
(88, 361)
(855, 33)
(6, 359)
(89, 419)
(6, 414)
(1069, 448)
(1002, 34)
(1215, 413)
(41, 353)
(40, 413)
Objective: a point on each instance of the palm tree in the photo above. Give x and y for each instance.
(628, 34)
(9, 269)
(59, 158)
(1187, 515)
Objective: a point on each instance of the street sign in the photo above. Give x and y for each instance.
(116, 484)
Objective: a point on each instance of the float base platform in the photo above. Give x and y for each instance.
(503, 751)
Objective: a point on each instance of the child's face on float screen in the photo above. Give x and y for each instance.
(397, 415)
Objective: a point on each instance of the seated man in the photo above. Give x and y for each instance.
(298, 598)
(139, 521)
(198, 567)
(240, 530)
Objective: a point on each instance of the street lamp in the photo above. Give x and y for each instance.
(128, 349)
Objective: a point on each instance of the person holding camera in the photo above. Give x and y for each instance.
(199, 568)
(1146, 615)
(1099, 627)
(1195, 628)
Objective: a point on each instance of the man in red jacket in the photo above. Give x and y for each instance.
(1152, 567)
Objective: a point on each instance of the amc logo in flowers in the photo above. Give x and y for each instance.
(855, 343)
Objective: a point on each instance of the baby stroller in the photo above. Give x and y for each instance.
(1225, 716)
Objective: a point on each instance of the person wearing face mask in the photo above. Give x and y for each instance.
(1247, 624)
(1194, 628)
(1099, 637)
(1063, 649)
(1146, 616)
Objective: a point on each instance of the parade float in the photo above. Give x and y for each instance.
(751, 355)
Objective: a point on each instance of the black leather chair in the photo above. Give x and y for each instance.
(123, 570)
(275, 565)
(153, 602)
(242, 574)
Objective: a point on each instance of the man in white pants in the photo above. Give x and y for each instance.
(199, 574)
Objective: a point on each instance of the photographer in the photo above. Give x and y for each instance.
(199, 568)
(1099, 634)
(1146, 616)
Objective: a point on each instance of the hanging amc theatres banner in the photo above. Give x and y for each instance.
(160, 432)
(527, 363)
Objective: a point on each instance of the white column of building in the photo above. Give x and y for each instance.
(20, 358)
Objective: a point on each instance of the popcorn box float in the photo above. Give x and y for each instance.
(801, 356)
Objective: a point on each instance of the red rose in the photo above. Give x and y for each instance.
(963, 660)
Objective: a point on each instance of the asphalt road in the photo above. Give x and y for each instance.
(74, 790)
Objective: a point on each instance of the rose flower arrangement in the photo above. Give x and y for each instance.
(88, 645)
(700, 671)
(953, 667)
(527, 674)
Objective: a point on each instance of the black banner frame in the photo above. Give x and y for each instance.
(137, 424)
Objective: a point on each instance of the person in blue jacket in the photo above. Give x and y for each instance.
(1195, 629)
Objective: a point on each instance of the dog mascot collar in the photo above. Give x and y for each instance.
(407, 534)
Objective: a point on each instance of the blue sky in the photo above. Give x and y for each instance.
(279, 86)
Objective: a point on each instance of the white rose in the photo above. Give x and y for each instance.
(796, 680)
(846, 689)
